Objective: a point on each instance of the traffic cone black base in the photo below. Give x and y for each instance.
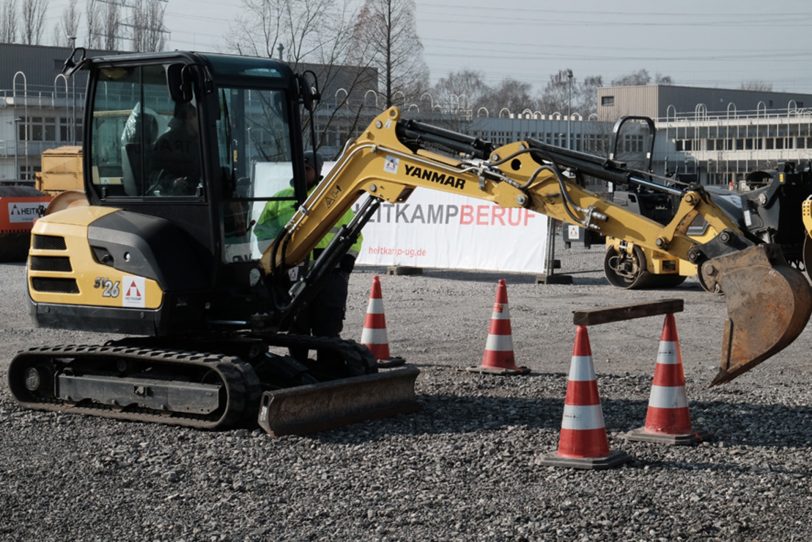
(615, 458)
(391, 363)
(518, 371)
(688, 439)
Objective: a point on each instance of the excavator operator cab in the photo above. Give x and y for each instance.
(203, 140)
(182, 153)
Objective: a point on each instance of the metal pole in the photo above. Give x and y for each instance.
(73, 92)
(569, 110)
(25, 113)
(17, 148)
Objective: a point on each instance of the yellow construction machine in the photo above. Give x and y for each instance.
(60, 177)
(628, 265)
(170, 257)
(768, 211)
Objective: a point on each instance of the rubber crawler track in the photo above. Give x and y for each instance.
(240, 382)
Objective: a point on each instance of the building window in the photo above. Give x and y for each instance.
(38, 129)
(26, 173)
(65, 130)
(607, 101)
(679, 145)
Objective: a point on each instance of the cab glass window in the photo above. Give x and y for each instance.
(144, 144)
(254, 149)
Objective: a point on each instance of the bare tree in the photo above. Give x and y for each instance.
(458, 90)
(385, 36)
(562, 95)
(300, 26)
(311, 35)
(587, 95)
(93, 24)
(762, 86)
(147, 22)
(68, 27)
(111, 26)
(641, 77)
(8, 21)
(661, 79)
(33, 19)
(511, 94)
(556, 96)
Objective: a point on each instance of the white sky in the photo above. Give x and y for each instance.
(713, 43)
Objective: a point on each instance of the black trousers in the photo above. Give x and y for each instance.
(324, 315)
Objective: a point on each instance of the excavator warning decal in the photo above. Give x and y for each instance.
(391, 165)
(135, 290)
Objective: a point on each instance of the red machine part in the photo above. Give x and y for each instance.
(20, 207)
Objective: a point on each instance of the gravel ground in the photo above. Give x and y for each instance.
(466, 467)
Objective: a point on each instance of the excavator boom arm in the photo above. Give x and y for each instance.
(391, 159)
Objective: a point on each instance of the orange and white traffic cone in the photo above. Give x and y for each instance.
(668, 420)
(582, 443)
(373, 335)
(498, 357)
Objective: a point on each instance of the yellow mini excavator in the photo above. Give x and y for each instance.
(166, 252)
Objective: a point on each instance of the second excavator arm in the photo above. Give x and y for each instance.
(393, 157)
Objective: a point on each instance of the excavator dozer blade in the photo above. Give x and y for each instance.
(768, 305)
(327, 405)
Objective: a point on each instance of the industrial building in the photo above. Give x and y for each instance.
(718, 135)
(39, 108)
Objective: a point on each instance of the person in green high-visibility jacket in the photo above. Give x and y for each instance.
(324, 315)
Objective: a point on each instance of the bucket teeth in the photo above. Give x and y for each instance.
(768, 305)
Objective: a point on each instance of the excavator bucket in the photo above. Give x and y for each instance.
(768, 305)
(327, 405)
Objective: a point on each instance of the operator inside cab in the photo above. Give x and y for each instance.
(176, 153)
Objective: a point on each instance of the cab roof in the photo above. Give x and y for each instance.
(220, 66)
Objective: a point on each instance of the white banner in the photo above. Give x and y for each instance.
(445, 231)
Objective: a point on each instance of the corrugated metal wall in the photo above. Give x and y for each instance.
(654, 101)
(615, 102)
(40, 64)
